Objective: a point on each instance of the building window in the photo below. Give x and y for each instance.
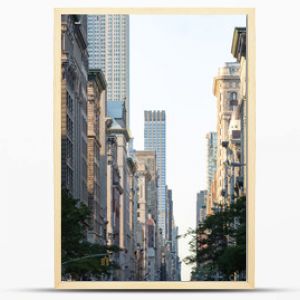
(233, 98)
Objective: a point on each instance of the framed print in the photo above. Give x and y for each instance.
(154, 148)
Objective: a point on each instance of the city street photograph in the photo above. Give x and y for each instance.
(153, 148)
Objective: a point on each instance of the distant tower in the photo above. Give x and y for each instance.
(201, 207)
(169, 214)
(155, 140)
(211, 157)
(108, 47)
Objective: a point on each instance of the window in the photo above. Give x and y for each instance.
(233, 99)
(69, 103)
(233, 96)
(236, 134)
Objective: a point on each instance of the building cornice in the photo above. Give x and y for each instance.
(98, 76)
(78, 32)
(223, 78)
(238, 32)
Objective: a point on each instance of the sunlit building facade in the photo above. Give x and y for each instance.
(226, 88)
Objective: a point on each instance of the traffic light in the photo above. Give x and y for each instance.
(104, 261)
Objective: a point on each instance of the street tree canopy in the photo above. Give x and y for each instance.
(218, 245)
(81, 260)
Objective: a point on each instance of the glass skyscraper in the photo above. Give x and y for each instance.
(155, 140)
(108, 48)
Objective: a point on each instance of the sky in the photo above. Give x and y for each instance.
(173, 60)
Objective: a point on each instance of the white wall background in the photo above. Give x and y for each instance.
(26, 151)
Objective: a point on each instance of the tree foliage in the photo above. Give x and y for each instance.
(218, 245)
(81, 260)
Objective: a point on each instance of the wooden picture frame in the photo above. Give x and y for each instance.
(159, 285)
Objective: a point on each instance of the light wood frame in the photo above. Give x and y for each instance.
(251, 146)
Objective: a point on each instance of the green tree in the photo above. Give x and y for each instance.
(233, 258)
(81, 259)
(218, 246)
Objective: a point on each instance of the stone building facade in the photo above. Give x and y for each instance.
(143, 177)
(132, 184)
(226, 88)
(118, 132)
(238, 50)
(147, 167)
(74, 81)
(96, 87)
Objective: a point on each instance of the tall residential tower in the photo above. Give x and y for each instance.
(155, 140)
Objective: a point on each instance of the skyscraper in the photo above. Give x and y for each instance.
(155, 140)
(211, 157)
(201, 207)
(169, 214)
(108, 47)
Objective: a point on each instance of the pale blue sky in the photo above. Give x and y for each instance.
(173, 60)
